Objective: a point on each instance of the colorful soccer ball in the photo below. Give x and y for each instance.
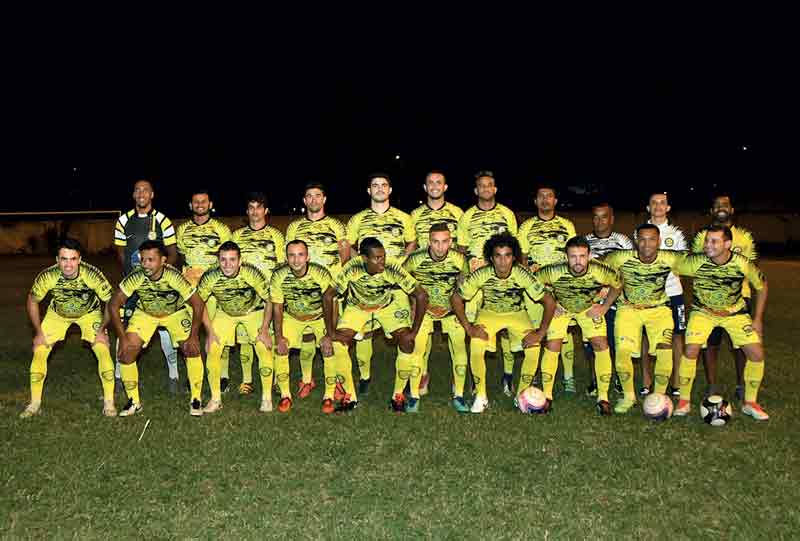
(716, 411)
(657, 407)
(531, 400)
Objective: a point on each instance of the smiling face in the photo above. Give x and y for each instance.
(658, 207)
(647, 242)
(485, 189)
(716, 244)
(297, 257)
(201, 204)
(722, 210)
(143, 195)
(435, 186)
(229, 262)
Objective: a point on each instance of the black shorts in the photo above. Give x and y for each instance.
(678, 314)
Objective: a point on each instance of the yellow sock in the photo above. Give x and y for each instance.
(549, 368)
(105, 367)
(282, 375)
(477, 361)
(194, 372)
(625, 373)
(225, 362)
(344, 369)
(416, 373)
(214, 368)
(329, 370)
(663, 370)
(602, 371)
(402, 373)
(246, 359)
(265, 370)
(39, 372)
(753, 374)
(129, 373)
(687, 373)
(508, 356)
(568, 356)
(364, 357)
(307, 352)
(530, 364)
(458, 355)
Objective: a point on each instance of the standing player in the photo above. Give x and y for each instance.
(504, 284)
(262, 246)
(435, 210)
(327, 244)
(163, 295)
(368, 283)
(719, 275)
(302, 307)
(139, 224)
(76, 290)
(394, 230)
(242, 296)
(577, 286)
(438, 269)
(722, 214)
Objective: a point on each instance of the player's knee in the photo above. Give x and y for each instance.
(554, 346)
(600, 343)
(691, 351)
(664, 346)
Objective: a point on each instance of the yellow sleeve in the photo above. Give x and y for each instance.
(119, 234)
(291, 231)
(571, 229)
(409, 233)
(167, 232)
(463, 230)
(280, 246)
(753, 274)
(512, 221)
(131, 283)
(522, 236)
(697, 242)
(338, 230)
(100, 284)
(224, 232)
(352, 229)
(180, 284)
(206, 284)
(43, 283)
(472, 284)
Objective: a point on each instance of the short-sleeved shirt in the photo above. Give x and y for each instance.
(477, 225)
(322, 237)
(424, 217)
(372, 290)
(265, 248)
(544, 240)
(672, 238)
(75, 297)
(301, 297)
(643, 284)
(601, 246)
(438, 278)
(718, 288)
(236, 295)
(743, 244)
(502, 295)
(199, 244)
(158, 298)
(578, 293)
(393, 228)
(132, 229)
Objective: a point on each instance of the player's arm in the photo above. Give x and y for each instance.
(112, 314)
(172, 255)
(410, 247)
(328, 300)
(191, 347)
(420, 298)
(536, 337)
(263, 333)
(120, 257)
(761, 307)
(458, 304)
(281, 344)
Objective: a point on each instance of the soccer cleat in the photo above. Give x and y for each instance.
(740, 393)
(754, 410)
(398, 403)
(304, 389)
(363, 387)
(266, 405)
(479, 405)
(172, 386)
(246, 388)
(339, 394)
(196, 408)
(109, 410)
(603, 408)
(212, 406)
(645, 390)
(674, 392)
(569, 385)
(34, 408)
(508, 386)
(285, 404)
(412, 405)
(423, 384)
(346, 405)
(616, 384)
(591, 390)
(130, 409)
(624, 406)
(327, 406)
(223, 385)
(683, 408)
(459, 405)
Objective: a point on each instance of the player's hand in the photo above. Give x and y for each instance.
(597, 311)
(406, 340)
(534, 267)
(758, 328)
(559, 311)
(475, 263)
(101, 337)
(282, 345)
(477, 331)
(39, 340)
(603, 293)
(265, 338)
(211, 339)
(326, 346)
(533, 338)
(191, 347)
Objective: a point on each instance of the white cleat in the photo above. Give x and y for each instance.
(130, 409)
(479, 405)
(754, 410)
(212, 406)
(266, 406)
(34, 408)
(195, 408)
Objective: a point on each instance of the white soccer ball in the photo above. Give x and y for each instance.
(531, 400)
(716, 411)
(657, 407)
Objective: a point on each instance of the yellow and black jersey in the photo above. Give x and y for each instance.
(476, 226)
(301, 297)
(578, 293)
(132, 229)
(423, 217)
(438, 278)
(236, 295)
(718, 288)
(742, 244)
(199, 244)
(322, 237)
(158, 298)
(74, 297)
(544, 240)
(366, 290)
(393, 228)
(502, 295)
(643, 284)
(264, 248)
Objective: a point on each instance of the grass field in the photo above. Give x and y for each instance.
(71, 473)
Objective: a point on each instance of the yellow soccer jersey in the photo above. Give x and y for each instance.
(199, 244)
(236, 295)
(158, 298)
(578, 293)
(718, 288)
(265, 248)
(372, 290)
(323, 238)
(476, 226)
(544, 240)
(393, 228)
(301, 297)
(502, 295)
(643, 284)
(76, 297)
(438, 278)
(423, 217)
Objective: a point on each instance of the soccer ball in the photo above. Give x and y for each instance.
(657, 407)
(716, 411)
(531, 400)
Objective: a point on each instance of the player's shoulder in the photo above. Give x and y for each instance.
(48, 273)
(415, 257)
(125, 217)
(417, 212)
(359, 216)
(219, 225)
(92, 271)
(617, 257)
(741, 260)
(172, 272)
(184, 226)
(520, 272)
(251, 270)
(355, 264)
(240, 232)
(529, 223)
(553, 270)
(457, 257)
(318, 271)
(564, 221)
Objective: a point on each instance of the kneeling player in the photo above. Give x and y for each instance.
(77, 289)
(163, 295)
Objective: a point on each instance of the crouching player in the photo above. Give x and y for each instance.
(163, 296)
(76, 289)
(242, 296)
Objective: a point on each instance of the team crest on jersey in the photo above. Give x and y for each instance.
(668, 242)
(451, 226)
(396, 231)
(401, 314)
(96, 325)
(327, 240)
(211, 242)
(186, 324)
(85, 296)
(501, 229)
(748, 329)
(737, 250)
(270, 248)
(660, 281)
(171, 297)
(561, 238)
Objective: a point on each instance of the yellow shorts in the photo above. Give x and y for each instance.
(517, 323)
(294, 330)
(178, 325)
(55, 326)
(739, 327)
(590, 328)
(450, 326)
(395, 315)
(628, 324)
(231, 330)
(472, 306)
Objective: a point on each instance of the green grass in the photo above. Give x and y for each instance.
(373, 475)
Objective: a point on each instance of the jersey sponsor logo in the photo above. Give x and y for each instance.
(561, 238)
(747, 329)
(186, 324)
(211, 242)
(327, 240)
(270, 248)
(85, 296)
(96, 325)
(396, 231)
(737, 249)
(669, 242)
(401, 314)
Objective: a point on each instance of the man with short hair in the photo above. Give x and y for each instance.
(77, 290)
